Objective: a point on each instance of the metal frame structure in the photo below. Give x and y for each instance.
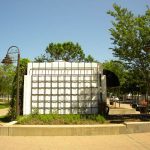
(13, 55)
(65, 89)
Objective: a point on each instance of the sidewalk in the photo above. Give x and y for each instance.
(121, 108)
(111, 142)
(4, 111)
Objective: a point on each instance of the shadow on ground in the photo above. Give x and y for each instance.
(128, 117)
(5, 119)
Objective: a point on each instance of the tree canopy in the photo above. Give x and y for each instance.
(117, 68)
(130, 35)
(67, 51)
(7, 73)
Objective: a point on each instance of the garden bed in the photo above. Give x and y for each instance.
(57, 119)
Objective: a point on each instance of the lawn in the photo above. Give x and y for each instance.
(4, 105)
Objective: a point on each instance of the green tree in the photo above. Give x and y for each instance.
(117, 68)
(7, 74)
(129, 81)
(67, 51)
(133, 83)
(130, 34)
(89, 58)
(120, 71)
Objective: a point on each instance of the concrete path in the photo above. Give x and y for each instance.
(4, 111)
(119, 105)
(121, 108)
(111, 142)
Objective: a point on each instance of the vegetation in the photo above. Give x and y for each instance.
(5, 119)
(7, 73)
(129, 81)
(118, 68)
(22, 72)
(4, 105)
(130, 35)
(61, 119)
(66, 51)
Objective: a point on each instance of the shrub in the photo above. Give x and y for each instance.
(100, 119)
(61, 119)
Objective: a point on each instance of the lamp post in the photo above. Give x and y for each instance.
(13, 55)
(147, 50)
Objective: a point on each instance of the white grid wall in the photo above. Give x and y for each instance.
(63, 87)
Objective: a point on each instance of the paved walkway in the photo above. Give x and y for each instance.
(121, 105)
(3, 112)
(121, 108)
(109, 142)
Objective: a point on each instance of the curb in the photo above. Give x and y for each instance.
(74, 130)
(137, 127)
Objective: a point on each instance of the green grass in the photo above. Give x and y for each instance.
(5, 119)
(4, 105)
(57, 119)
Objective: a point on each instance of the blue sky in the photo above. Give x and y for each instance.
(33, 24)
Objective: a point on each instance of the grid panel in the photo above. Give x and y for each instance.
(63, 88)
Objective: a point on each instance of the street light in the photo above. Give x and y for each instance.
(13, 55)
